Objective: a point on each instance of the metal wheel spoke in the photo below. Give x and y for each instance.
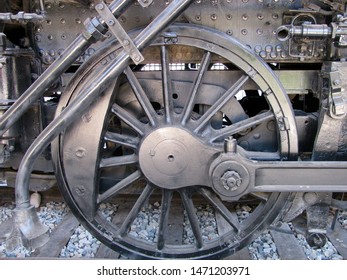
(136, 209)
(128, 119)
(194, 222)
(118, 161)
(121, 139)
(188, 108)
(260, 196)
(242, 125)
(221, 208)
(230, 93)
(132, 178)
(167, 86)
(163, 226)
(141, 97)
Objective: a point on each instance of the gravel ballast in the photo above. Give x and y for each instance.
(83, 245)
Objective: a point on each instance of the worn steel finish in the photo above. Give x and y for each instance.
(236, 100)
(173, 154)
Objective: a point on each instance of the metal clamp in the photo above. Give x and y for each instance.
(121, 35)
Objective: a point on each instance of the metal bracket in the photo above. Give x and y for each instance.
(337, 104)
(121, 35)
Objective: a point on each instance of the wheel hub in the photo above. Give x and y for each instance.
(173, 158)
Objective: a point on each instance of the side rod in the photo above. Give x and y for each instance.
(53, 72)
(76, 108)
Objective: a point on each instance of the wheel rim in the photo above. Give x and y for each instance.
(133, 118)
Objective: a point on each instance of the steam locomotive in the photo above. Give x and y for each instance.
(180, 102)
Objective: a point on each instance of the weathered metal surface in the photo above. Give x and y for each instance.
(161, 124)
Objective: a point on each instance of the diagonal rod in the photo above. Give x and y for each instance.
(85, 99)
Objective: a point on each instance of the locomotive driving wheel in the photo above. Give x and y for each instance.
(154, 133)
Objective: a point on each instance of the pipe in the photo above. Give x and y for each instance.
(83, 101)
(286, 32)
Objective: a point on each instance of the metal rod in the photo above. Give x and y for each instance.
(83, 101)
(58, 67)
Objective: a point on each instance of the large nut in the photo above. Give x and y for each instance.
(231, 180)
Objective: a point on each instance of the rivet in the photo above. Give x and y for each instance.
(259, 31)
(257, 48)
(38, 28)
(213, 16)
(275, 16)
(279, 48)
(263, 54)
(260, 17)
(51, 53)
(78, 21)
(245, 17)
(268, 48)
(229, 16)
(244, 31)
(198, 18)
(50, 37)
(38, 38)
(229, 32)
(273, 55)
(62, 21)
